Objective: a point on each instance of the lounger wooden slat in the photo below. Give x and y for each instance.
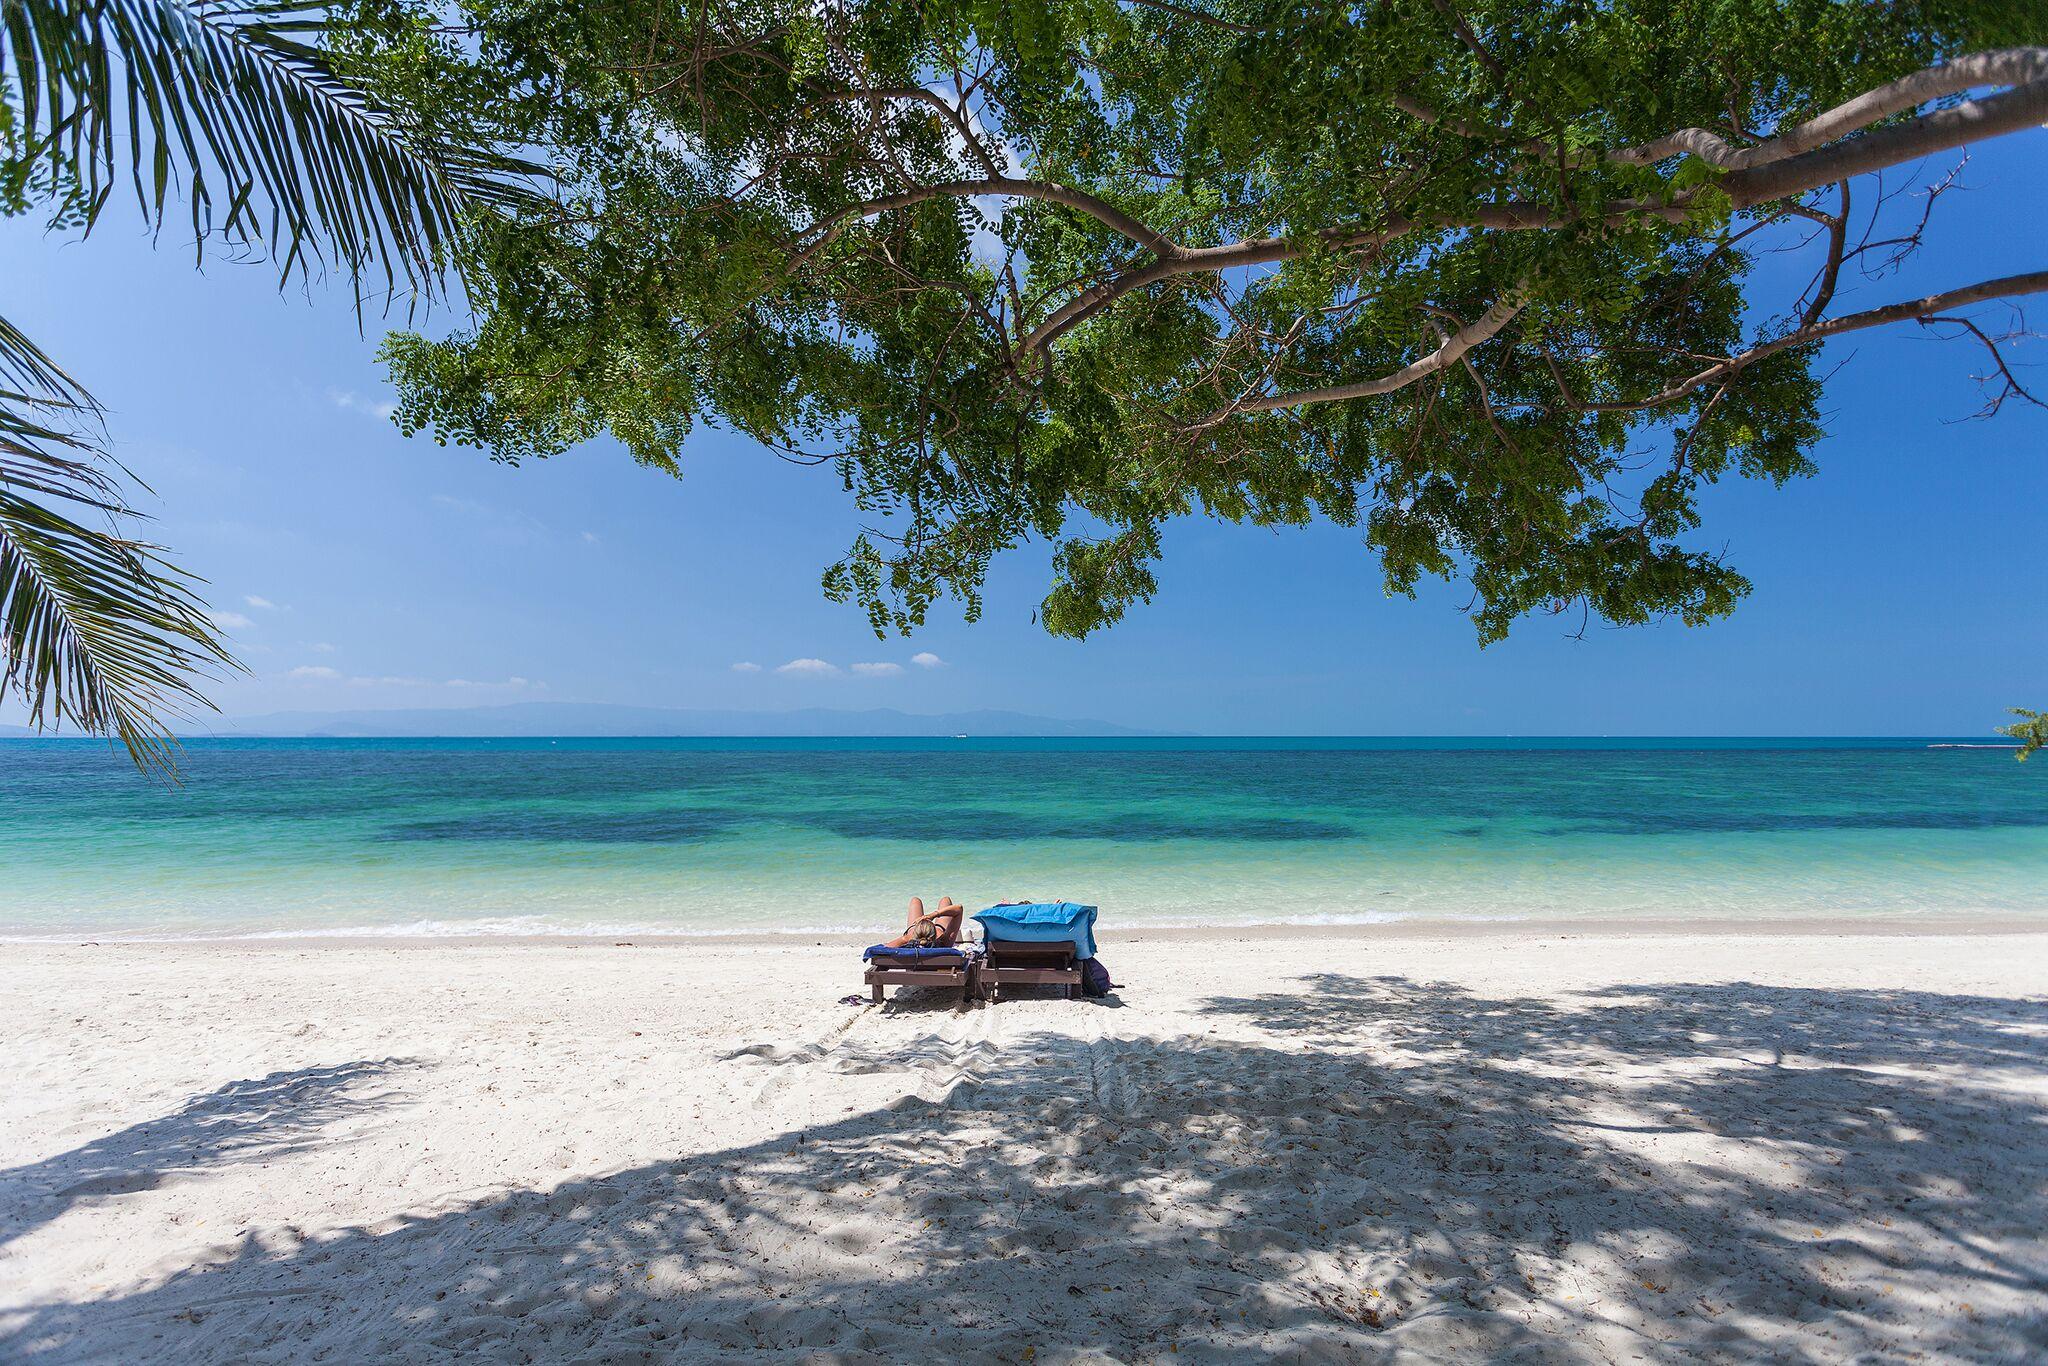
(884, 972)
(1007, 963)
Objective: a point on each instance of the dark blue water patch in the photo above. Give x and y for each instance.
(1768, 822)
(963, 825)
(1126, 826)
(632, 827)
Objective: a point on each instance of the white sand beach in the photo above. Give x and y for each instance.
(1518, 1144)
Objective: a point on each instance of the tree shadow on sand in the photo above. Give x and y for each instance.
(1382, 1170)
(258, 1119)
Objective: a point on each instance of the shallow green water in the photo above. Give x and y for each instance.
(612, 836)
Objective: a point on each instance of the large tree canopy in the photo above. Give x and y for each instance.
(1473, 273)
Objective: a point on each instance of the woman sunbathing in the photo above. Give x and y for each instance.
(931, 930)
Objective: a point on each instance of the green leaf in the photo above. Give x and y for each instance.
(2031, 730)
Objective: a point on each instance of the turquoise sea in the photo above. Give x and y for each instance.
(269, 837)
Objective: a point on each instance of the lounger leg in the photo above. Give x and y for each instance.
(878, 993)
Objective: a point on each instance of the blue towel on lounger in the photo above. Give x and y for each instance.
(939, 954)
(1042, 922)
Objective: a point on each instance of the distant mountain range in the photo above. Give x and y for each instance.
(528, 719)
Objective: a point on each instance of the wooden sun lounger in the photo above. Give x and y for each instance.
(912, 972)
(1013, 964)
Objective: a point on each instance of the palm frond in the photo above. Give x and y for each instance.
(26, 371)
(233, 106)
(97, 629)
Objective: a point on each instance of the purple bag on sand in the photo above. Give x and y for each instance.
(1094, 978)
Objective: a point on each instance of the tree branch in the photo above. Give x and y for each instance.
(1990, 343)
(1831, 271)
(2013, 66)
(2035, 282)
(2024, 105)
(2008, 67)
(1511, 216)
(1786, 165)
(1470, 39)
(1450, 353)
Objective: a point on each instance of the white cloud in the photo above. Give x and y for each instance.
(230, 621)
(259, 603)
(925, 659)
(815, 667)
(351, 402)
(746, 666)
(321, 647)
(314, 672)
(878, 670)
(592, 538)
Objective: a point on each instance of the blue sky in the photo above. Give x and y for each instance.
(1899, 592)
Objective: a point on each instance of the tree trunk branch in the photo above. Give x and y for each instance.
(1450, 353)
(2022, 106)
(2034, 282)
(2012, 66)
(1795, 162)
